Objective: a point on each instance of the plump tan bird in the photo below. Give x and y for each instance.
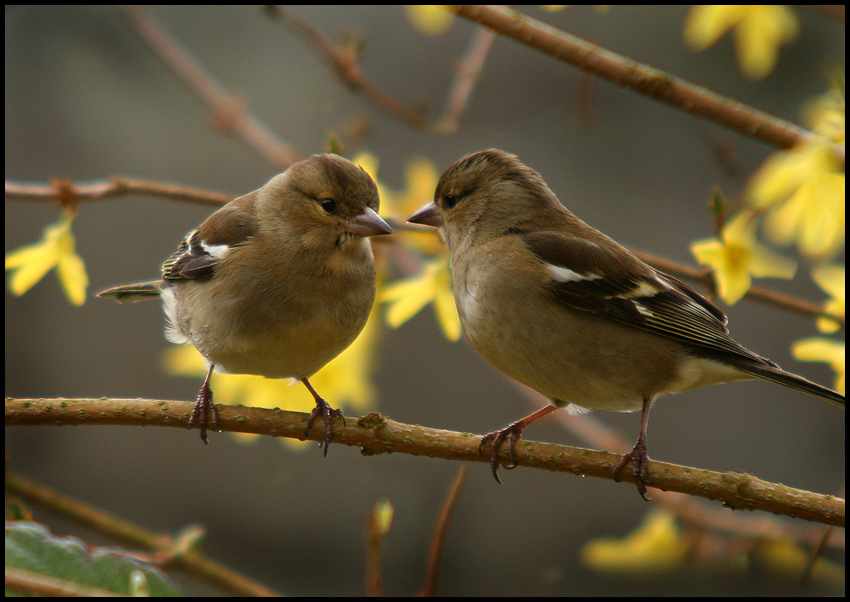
(277, 282)
(566, 310)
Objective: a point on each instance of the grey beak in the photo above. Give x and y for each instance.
(368, 223)
(428, 216)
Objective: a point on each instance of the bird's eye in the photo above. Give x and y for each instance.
(329, 205)
(450, 200)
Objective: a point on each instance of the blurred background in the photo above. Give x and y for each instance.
(85, 99)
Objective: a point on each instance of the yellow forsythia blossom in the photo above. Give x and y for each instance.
(830, 278)
(655, 547)
(736, 256)
(819, 349)
(405, 298)
(56, 249)
(759, 31)
(430, 19)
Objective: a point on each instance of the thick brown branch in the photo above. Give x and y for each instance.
(376, 434)
(639, 77)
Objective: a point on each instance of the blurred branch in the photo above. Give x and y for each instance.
(376, 434)
(639, 77)
(836, 11)
(344, 63)
(378, 523)
(130, 534)
(467, 73)
(66, 192)
(229, 114)
(438, 542)
(31, 583)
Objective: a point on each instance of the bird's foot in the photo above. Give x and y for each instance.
(640, 465)
(328, 414)
(510, 434)
(204, 413)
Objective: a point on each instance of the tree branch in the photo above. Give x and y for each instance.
(376, 434)
(639, 77)
(67, 192)
(345, 66)
(229, 114)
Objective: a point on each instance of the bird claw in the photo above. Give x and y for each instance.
(328, 414)
(204, 413)
(640, 467)
(511, 433)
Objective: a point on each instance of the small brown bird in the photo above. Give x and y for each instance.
(277, 282)
(566, 310)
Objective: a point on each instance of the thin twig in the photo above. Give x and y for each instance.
(230, 115)
(467, 74)
(377, 526)
(438, 542)
(66, 191)
(639, 77)
(376, 434)
(344, 64)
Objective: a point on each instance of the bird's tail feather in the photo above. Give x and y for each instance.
(130, 293)
(792, 381)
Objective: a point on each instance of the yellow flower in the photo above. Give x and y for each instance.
(759, 32)
(785, 560)
(736, 256)
(804, 191)
(819, 349)
(56, 249)
(831, 279)
(430, 19)
(344, 382)
(655, 547)
(826, 113)
(406, 297)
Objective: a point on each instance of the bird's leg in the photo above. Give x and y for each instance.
(323, 408)
(638, 457)
(204, 413)
(511, 433)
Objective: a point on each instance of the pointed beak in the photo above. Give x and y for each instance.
(368, 223)
(427, 216)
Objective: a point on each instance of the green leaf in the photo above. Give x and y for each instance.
(31, 546)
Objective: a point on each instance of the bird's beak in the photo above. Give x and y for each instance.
(428, 216)
(368, 223)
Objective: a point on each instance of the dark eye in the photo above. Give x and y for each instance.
(450, 200)
(329, 205)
